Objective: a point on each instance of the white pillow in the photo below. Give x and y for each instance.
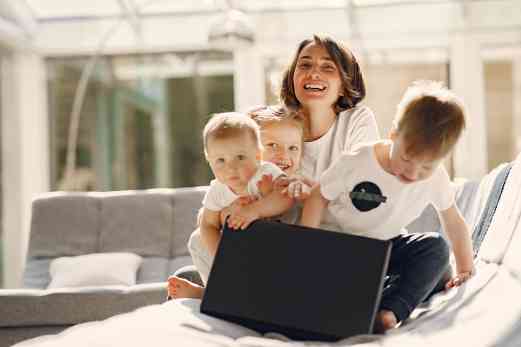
(96, 269)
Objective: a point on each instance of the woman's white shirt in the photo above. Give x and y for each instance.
(351, 128)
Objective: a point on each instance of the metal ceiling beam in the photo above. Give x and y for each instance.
(131, 11)
(23, 15)
(13, 36)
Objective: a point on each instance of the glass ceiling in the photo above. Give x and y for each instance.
(70, 9)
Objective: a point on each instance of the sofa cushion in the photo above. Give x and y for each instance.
(136, 221)
(186, 203)
(64, 224)
(65, 306)
(153, 269)
(97, 269)
(499, 243)
(36, 274)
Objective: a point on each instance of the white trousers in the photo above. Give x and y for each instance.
(200, 256)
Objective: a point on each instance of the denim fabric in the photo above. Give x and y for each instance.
(418, 263)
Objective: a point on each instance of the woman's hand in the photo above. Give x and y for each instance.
(236, 206)
(241, 217)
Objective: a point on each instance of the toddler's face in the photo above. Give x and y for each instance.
(234, 160)
(407, 168)
(282, 143)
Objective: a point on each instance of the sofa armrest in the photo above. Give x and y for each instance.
(69, 306)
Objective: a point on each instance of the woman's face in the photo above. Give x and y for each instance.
(316, 79)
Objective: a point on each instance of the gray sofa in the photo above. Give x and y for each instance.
(155, 224)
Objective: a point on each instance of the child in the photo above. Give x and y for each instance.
(233, 149)
(379, 188)
(281, 134)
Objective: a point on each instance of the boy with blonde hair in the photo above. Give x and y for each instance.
(380, 187)
(282, 137)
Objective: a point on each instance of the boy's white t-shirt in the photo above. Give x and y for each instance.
(352, 127)
(368, 201)
(220, 196)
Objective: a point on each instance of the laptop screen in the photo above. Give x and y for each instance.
(308, 284)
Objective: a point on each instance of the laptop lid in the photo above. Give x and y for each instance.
(307, 284)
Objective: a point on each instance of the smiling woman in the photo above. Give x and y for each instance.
(324, 82)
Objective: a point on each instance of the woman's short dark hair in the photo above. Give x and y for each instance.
(353, 86)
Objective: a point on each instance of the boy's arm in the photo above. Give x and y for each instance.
(273, 204)
(210, 229)
(458, 233)
(313, 208)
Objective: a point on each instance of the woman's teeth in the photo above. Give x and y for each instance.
(314, 87)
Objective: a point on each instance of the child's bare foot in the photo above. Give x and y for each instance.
(181, 288)
(385, 320)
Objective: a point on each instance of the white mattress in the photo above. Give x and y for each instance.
(478, 314)
(485, 311)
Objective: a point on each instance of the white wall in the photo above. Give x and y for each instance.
(467, 80)
(25, 153)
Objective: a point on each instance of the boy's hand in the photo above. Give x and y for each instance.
(170, 288)
(459, 279)
(298, 188)
(240, 218)
(265, 185)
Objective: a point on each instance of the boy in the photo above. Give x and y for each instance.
(233, 149)
(379, 188)
(236, 135)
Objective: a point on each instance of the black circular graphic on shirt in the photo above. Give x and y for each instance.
(366, 196)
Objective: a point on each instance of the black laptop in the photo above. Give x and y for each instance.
(307, 284)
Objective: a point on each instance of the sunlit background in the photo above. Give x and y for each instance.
(113, 94)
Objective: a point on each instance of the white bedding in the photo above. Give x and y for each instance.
(477, 314)
(485, 311)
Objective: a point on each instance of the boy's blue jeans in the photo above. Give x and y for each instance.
(419, 261)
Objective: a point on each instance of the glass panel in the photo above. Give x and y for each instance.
(141, 120)
(1, 190)
(499, 111)
(386, 84)
(148, 6)
(192, 99)
(133, 145)
(64, 75)
(290, 4)
(68, 8)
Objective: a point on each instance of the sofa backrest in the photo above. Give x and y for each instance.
(155, 224)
